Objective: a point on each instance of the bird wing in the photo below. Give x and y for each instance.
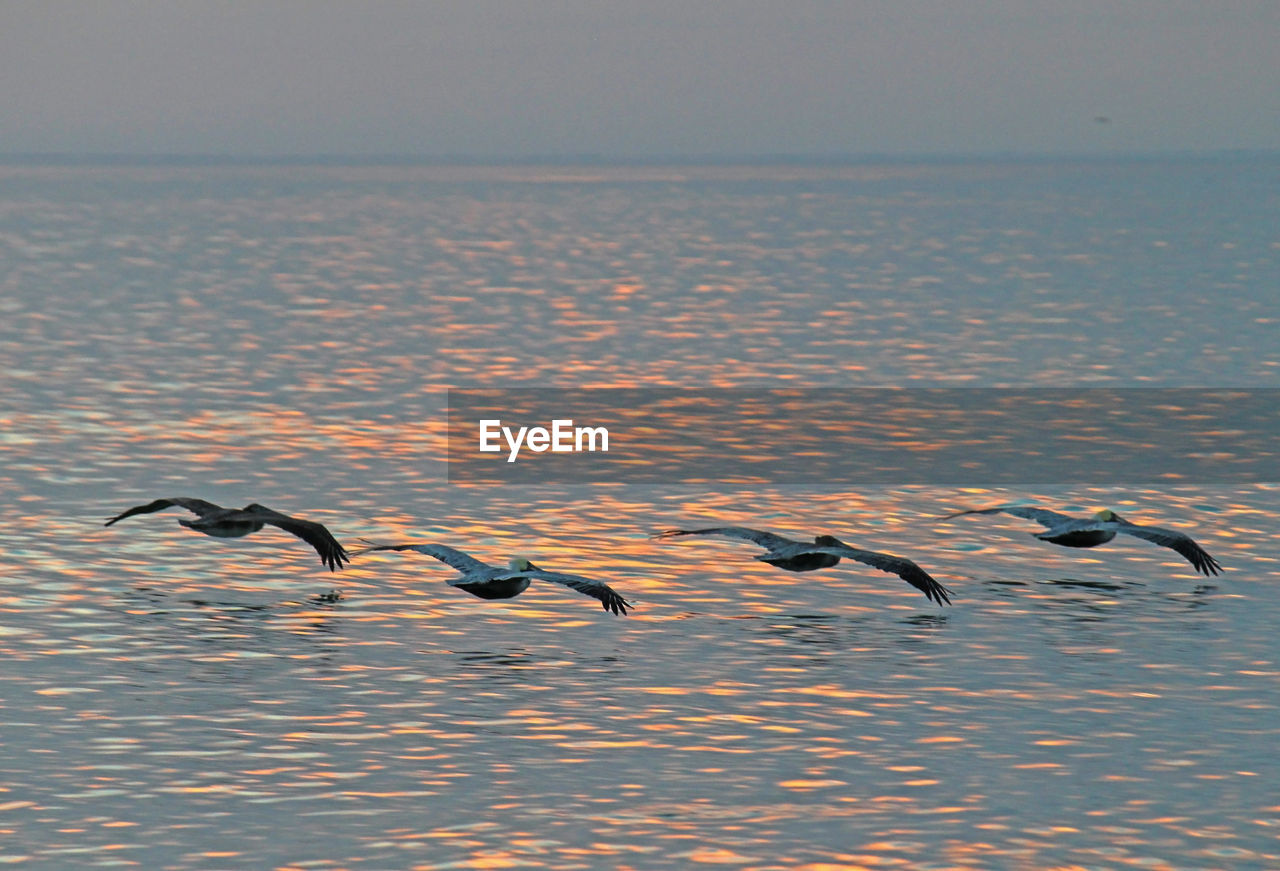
(767, 540)
(900, 566)
(596, 589)
(196, 506)
(447, 555)
(332, 553)
(1043, 516)
(1183, 544)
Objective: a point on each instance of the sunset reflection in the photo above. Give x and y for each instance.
(289, 336)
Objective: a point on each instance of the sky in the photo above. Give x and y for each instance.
(485, 79)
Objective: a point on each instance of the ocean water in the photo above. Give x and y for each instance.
(287, 335)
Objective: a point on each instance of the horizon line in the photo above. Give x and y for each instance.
(65, 158)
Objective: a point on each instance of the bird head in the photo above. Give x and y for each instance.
(1106, 515)
(520, 564)
(828, 541)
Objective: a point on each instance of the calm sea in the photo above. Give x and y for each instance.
(287, 334)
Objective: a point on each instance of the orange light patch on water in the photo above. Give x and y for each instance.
(803, 785)
(16, 805)
(494, 862)
(714, 856)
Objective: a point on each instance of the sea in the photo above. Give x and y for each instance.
(289, 333)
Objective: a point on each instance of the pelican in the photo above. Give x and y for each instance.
(824, 552)
(1101, 528)
(235, 522)
(490, 582)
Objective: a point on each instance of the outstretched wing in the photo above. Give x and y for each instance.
(332, 553)
(1043, 516)
(196, 506)
(596, 589)
(1183, 544)
(900, 566)
(447, 555)
(767, 540)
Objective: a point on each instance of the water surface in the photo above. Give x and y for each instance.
(286, 334)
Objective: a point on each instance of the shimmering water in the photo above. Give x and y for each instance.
(285, 335)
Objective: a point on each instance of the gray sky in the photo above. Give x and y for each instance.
(638, 78)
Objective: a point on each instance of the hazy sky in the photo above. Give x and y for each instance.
(627, 78)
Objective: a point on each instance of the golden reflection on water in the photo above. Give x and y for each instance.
(610, 282)
(172, 700)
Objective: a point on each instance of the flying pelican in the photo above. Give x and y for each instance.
(1101, 528)
(490, 582)
(826, 551)
(235, 522)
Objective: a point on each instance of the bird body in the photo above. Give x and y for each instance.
(494, 588)
(1101, 528)
(806, 561)
(492, 582)
(824, 552)
(223, 528)
(1077, 533)
(219, 522)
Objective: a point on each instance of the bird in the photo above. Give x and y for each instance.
(491, 582)
(236, 522)
(1100, 528)
(824, 552)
